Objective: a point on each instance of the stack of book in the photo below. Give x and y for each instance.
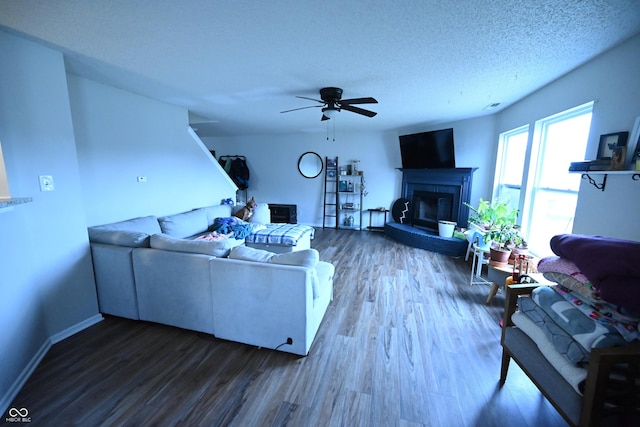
(590, 165)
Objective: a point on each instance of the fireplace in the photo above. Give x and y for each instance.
(429, 207)
(437, 194)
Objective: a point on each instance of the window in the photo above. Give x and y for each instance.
(512, 149)
(550, 195)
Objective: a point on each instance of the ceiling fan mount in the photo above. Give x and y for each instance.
(332, 103)
(330, 95)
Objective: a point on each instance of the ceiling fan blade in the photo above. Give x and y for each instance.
(311, 99)
(301, 108)
(358, 110)
(324, 118)
(352, 101)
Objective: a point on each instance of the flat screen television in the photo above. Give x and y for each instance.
(428, 150)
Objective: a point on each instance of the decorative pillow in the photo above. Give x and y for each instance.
(217, 248)
(245, 253)
(185, 224)
(304, 258)
(261, 214)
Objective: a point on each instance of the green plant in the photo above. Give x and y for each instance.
(493, 214)
(498, 220)
(503, 235)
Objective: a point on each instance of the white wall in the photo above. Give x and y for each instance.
(121, 136)
(273, 165)
(611, 80)
(46, 279)
(275, 178)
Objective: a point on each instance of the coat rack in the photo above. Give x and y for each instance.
(240, 178)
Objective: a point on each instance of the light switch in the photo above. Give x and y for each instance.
(142, 179)
(46, 183)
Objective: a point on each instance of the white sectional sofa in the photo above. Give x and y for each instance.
(151, 269)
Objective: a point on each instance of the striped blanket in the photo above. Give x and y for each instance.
(281, 234)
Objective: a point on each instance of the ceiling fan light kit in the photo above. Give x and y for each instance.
(332, 103)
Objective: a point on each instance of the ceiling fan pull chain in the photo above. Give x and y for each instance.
(334, 130)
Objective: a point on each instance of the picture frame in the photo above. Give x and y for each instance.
(633, 150)
(618, 158)
(609, 142)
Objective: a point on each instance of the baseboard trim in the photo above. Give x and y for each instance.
(24, 376)
(76, 328)
(17, 385)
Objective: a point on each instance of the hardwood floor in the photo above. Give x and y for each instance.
(406, 342)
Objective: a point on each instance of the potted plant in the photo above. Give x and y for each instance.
(503, 237)
(496, 220)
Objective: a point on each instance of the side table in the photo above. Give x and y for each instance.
(379, 210)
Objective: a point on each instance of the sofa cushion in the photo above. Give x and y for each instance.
(133, 232)
(216, 211)
(245, 253)
(304, 258)
(185, 224)
(217, 248)
(261, 214)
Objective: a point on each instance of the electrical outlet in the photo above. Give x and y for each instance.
(46, 183)
(142, 179)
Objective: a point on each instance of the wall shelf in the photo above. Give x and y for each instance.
(635, 175)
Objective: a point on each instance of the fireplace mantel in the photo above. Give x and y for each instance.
(456, 181)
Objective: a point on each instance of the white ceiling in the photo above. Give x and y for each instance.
(237, 64)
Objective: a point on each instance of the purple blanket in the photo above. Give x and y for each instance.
(612, 265)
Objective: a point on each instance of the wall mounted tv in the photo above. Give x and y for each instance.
(428, 150)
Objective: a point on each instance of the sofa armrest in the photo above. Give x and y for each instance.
(263, 304)
(115, 283)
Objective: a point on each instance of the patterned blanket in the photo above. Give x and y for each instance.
(572, 333)
(281, 234)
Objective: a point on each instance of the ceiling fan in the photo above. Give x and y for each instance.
(332, 103)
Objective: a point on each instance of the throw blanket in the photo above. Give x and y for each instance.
(570, 372)
(601, 312)
(281, 234)
(572, 333)
(611, 265)
(239, 228)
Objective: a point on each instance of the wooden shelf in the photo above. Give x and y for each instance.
(635, 175)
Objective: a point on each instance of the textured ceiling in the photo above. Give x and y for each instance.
(237, 64)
